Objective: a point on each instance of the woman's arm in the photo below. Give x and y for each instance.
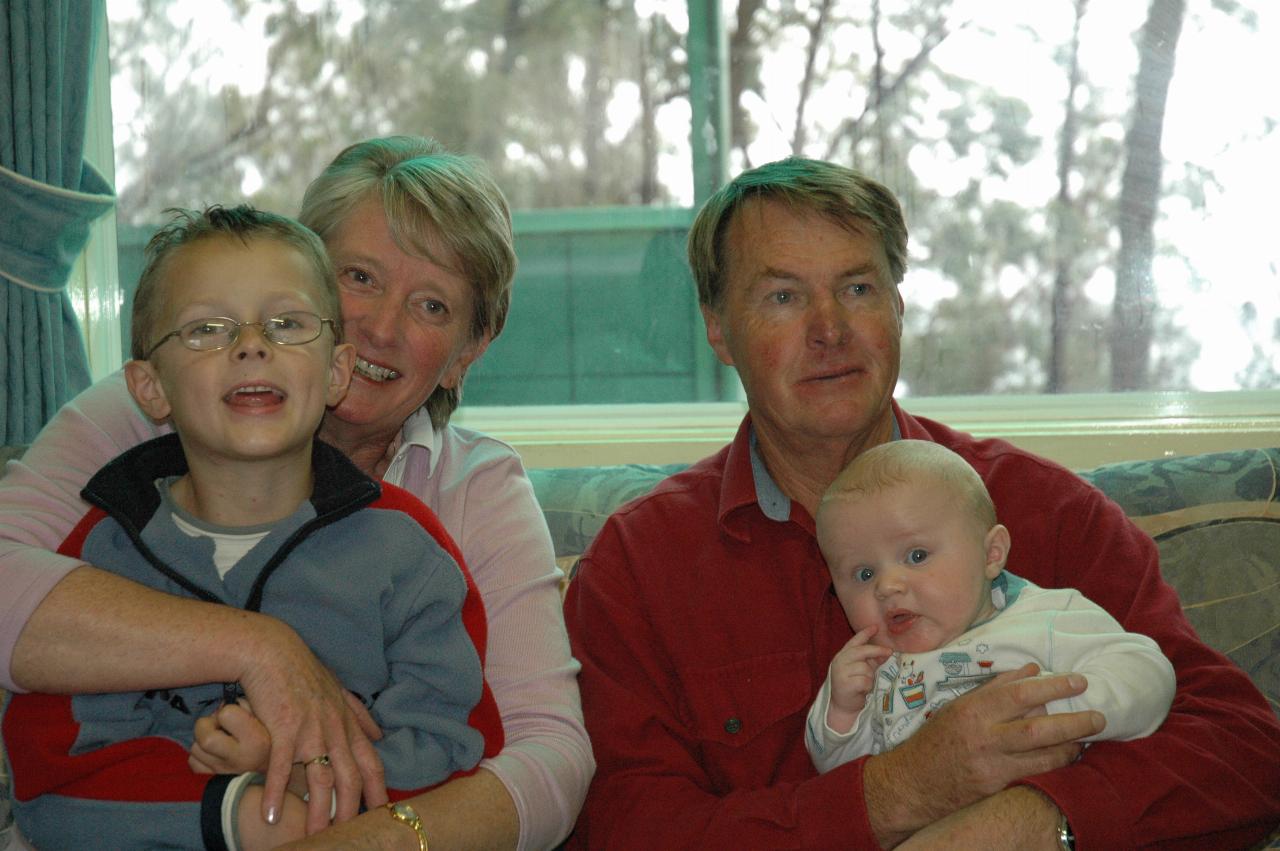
(69, 628)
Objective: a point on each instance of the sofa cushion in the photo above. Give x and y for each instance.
(1216, 520)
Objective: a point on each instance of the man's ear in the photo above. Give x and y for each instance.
(997, 546)
(146, 389)
(470, 353)
(344, 361)
(715, 335)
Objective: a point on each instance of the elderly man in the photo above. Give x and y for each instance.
(704, 618)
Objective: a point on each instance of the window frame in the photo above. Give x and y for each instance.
(1077, 430)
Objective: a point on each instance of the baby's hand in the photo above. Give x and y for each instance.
(230, 741)
(852, 674)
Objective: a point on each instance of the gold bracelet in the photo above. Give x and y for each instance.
(406, 814)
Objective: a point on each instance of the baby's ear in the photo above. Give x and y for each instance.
(344, 361)
(146, 389)
(997, 546)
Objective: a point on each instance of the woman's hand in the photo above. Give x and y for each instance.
(306, 713)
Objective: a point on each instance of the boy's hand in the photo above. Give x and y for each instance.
(230, 741)
(853, 676)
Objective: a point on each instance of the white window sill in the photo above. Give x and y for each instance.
(1079, 431)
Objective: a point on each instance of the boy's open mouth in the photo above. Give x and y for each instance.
(255, 395)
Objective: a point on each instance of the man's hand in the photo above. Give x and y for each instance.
(974, 747)
(307, 713)
(853, 675)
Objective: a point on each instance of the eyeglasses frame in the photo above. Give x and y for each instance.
(235, 333)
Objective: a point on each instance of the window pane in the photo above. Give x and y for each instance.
(1029, 209)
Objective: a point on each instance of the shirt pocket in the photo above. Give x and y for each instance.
(734, 705)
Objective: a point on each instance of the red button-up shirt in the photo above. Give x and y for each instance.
(705, 629)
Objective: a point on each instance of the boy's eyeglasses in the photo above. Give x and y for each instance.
(292, 328)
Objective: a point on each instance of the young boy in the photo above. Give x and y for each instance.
(236, 342)
(917, 561)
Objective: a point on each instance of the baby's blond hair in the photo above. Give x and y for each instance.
(901, 461)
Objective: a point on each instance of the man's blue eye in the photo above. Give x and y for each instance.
(781, 297)
(864, 574)
(918, 555)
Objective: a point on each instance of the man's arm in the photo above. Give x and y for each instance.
(1212, 770)
(1019, 819)
(972, 749)
(654, 789)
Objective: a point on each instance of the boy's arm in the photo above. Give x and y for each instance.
(437, 714)
(1130, 681)
(70, 628)
(138, 791)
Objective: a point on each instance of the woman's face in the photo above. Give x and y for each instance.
(408, 317)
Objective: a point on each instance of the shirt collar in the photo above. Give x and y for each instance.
(775, 504)
(418, 451)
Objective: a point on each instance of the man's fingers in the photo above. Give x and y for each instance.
(1038, 691)
(1048, 731)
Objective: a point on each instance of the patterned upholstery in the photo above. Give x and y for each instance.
(1215, 518)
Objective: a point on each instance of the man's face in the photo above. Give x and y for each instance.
(812, 322)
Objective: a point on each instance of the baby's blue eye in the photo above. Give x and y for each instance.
(918, 555)
(864, 574)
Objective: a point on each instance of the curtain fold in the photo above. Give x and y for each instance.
(48, 198)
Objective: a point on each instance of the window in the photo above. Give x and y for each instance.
(1008, 129)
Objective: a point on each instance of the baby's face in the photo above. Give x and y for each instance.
(911, 560)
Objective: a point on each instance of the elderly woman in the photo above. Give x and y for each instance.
(421, 239)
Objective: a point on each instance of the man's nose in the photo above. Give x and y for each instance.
(828, 321)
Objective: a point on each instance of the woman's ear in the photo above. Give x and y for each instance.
(997, 546)
(146, 389)
(468, 355)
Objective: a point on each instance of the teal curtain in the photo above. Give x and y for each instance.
(48, 198)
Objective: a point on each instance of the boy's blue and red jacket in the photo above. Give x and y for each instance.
(365, 574)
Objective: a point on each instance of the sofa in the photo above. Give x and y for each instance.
(1215, 518)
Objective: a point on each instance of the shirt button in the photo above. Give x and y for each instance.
(732, 726)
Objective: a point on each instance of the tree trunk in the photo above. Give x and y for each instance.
(1133, 312)
(816, 33)
(1066, 228)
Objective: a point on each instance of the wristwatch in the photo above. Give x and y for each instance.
(1066, 839)
(405, 814)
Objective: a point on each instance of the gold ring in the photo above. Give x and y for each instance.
(323, 759)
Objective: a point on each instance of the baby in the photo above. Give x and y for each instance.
(917, 561)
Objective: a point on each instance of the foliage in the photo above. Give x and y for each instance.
(583, 103)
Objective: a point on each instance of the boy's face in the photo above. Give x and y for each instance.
(253, 400)
(910, 559)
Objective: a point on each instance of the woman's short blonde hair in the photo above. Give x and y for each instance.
(432, 199)
(841, 194)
